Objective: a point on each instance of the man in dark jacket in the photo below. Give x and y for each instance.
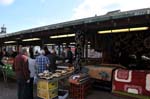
(69, 56)
(52, 58)
(21, 69)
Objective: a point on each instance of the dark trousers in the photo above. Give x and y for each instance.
(22, 89)
(30, 88)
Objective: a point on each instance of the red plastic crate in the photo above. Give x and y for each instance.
(79, 91)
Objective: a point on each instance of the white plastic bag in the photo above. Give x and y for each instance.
(35, 80)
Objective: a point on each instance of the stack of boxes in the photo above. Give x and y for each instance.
(47, 89)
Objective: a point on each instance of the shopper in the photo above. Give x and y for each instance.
(21, 69)
(31, 52)
(42, 62)
(69, 56)
(52, 58)
(32, 69)
(46, 51)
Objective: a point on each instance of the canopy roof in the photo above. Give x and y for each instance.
(111, 20)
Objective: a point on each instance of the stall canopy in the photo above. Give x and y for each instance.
(65, 32)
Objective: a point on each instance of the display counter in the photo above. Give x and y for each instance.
(102, 71)
(132, 83)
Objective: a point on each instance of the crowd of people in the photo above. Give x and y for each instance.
(27, 66)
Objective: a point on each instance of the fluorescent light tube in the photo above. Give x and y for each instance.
(7, 42)
(63, 36)
(139, 28)
(120, 30)
(105, 31)
(31, 39)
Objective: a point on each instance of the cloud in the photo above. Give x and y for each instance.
(99, 7)
(6, 2)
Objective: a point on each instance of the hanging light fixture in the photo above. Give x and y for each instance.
(7, 42)
(62, 36)
(31, 39)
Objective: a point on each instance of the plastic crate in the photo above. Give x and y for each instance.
(47, 94)
(47, 85)
(79, 91)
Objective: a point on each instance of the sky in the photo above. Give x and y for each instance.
(19, 15)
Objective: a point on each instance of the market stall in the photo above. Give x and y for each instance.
(49, 84)
(101, 72)
(117, 37)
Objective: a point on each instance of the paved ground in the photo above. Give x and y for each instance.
(9, 91)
